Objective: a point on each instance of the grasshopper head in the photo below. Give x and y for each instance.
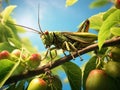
(47, 39)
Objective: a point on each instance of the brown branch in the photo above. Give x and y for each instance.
(112, 42)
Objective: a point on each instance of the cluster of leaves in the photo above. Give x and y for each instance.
(106, 24)
(10, 40)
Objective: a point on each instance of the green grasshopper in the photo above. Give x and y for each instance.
(67, 41)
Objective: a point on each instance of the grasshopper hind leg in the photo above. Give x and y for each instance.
(80, 56)
(71, 48)
(76, 50)
(64, 52)
(70, 54)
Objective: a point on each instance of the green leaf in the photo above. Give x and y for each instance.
(109, 12)
(70, 2)
(6, 13)
(20, 85)
(115, 31)
(74, 75)
(10, 23)
(20, 29)
(101, 52)
(96, 21)
(5, 32)
(7, 67)
(111, 21)
(6, 46)
(98, 3)
(14, 42)
(55, 84)
(11, 87)
(90, 65)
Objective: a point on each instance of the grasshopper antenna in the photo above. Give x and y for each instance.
(25, 27)
(39, 20)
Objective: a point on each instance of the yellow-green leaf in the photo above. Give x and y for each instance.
(74, 75)
(70, 2)
(109, 12)
(110, 22)
(96, 21)
(7, 11)
(98, 3)
(115, 31)
(7, 67)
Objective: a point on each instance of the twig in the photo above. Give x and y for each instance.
(112, 42)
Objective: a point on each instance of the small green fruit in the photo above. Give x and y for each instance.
(115, 54)
(37, 84)
(17, 53)
(34, 60)
(112, 68)
(99, 80)
(4, 54)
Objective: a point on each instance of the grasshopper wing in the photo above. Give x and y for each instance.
(84, 27)
(80, 36)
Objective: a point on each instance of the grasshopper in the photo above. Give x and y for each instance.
(67, 41)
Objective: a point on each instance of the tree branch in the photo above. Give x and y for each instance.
(112, 42)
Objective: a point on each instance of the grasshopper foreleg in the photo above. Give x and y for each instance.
(49, 51)
(46, 54)
(51, 55)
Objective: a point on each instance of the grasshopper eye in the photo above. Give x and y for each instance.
(46, 32)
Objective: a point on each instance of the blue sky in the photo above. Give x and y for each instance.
(54, 16)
